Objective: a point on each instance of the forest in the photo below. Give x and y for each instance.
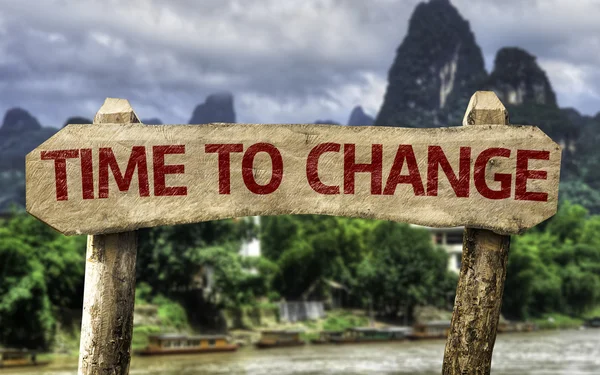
(388, 267)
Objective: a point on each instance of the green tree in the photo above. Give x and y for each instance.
(169, 257)
(580, 289)
(568, 222)
(238, 281)
(581, 193)
(276, 234)
(314, 248)
(403, 269)
(26, 318)
(556, 267)
(298, 269)
(62, 258)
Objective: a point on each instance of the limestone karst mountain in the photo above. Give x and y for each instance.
(216, 108)
(437, 68)
(20, 133)
(524, 88)
(358, 117)
(18, 121)
(518, 79)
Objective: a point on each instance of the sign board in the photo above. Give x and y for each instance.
(90, 179)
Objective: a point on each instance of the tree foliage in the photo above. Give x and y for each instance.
(393, 265)
(555, 268)
(403, 269)
(239, 281)
(169, 257)
(41, 273)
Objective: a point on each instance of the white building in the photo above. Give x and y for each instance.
(251, 248)
(451, 240)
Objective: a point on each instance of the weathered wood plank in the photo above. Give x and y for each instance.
(109, 291)
(194, 173)
(481, 283)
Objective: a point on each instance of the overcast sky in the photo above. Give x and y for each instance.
(284, 60)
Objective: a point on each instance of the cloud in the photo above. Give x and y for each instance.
(564, 36)
(285, 61)
(575, 84)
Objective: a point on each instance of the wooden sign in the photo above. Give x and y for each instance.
(114, 178)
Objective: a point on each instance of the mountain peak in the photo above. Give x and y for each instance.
(17, 121)
(518, 79)
(358, 117)
(217, 107)
(437, 68)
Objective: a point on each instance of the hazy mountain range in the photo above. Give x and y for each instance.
(438, 66)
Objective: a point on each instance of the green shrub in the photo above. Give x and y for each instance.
(140, 335)
(343, 322)
(558, 321)
(170, 313)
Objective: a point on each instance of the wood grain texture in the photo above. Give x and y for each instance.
(481, 282)
(128, 210)
(109, 292)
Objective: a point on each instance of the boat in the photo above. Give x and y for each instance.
(398, 333)
(437, 329)
(593, 323)
(181, 344)
(279, 338)
(325, 337)
(10, 358)
(363, 335)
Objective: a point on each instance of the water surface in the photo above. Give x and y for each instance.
(575, 352)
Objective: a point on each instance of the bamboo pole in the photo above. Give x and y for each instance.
(109, 292)
(481, 283)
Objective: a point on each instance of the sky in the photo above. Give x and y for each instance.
(291, 61)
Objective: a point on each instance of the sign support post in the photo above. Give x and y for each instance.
(480, 287)
(109, 291)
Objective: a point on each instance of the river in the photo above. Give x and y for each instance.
(573, 352)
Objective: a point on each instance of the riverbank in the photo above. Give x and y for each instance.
(544, 352)
(168, 318)
(560, 321)
(336, 320)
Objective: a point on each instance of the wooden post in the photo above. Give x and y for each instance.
(481, 283)
(109, 294)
